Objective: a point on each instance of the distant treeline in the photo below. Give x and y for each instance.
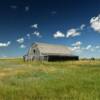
(90, 58)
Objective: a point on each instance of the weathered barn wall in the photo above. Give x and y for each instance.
(34, 53)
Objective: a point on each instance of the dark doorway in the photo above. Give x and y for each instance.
(62, 58)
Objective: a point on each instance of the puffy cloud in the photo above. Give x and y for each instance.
(88, 47)
(22, 46)
(95, 23)
(53, 12)
(28, 35)
(4, 56)
(36, 33)
(27, 8)
(20, 40)
(92, 49)
(77, 44)
(59, 34)
(82, 26)
(35, 26)
(5, 44)
(75, 32)
(72, 33)
(97, 47)
(13, 6)
(77, 47)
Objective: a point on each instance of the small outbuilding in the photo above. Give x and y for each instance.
(49, 52)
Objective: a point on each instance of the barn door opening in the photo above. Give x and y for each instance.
(62, 58)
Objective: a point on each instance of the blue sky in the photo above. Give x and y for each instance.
(74, 23)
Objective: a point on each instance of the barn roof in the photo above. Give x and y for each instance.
(51, 49)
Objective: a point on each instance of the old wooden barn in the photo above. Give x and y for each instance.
(49, 52)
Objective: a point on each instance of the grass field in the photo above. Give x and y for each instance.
(79, 80)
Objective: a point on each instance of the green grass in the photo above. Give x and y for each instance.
(78, 80)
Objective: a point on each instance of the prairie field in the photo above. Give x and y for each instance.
(70, 80)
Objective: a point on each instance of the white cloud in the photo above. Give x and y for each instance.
(13, 6)
(59, 34)
(77, 44)
(88, 47)
(53, 12)
(20, 40)
(27, 8)
(92, 49)
(36, 33)
(35, 26)
(77, 47)
(72, 33)
(97, 47)
(28, 35)
(4, 56)
(95, 23)
(5, 44)
(22, 46)
(82, 26)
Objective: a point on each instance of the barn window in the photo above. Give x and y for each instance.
(34, 51)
